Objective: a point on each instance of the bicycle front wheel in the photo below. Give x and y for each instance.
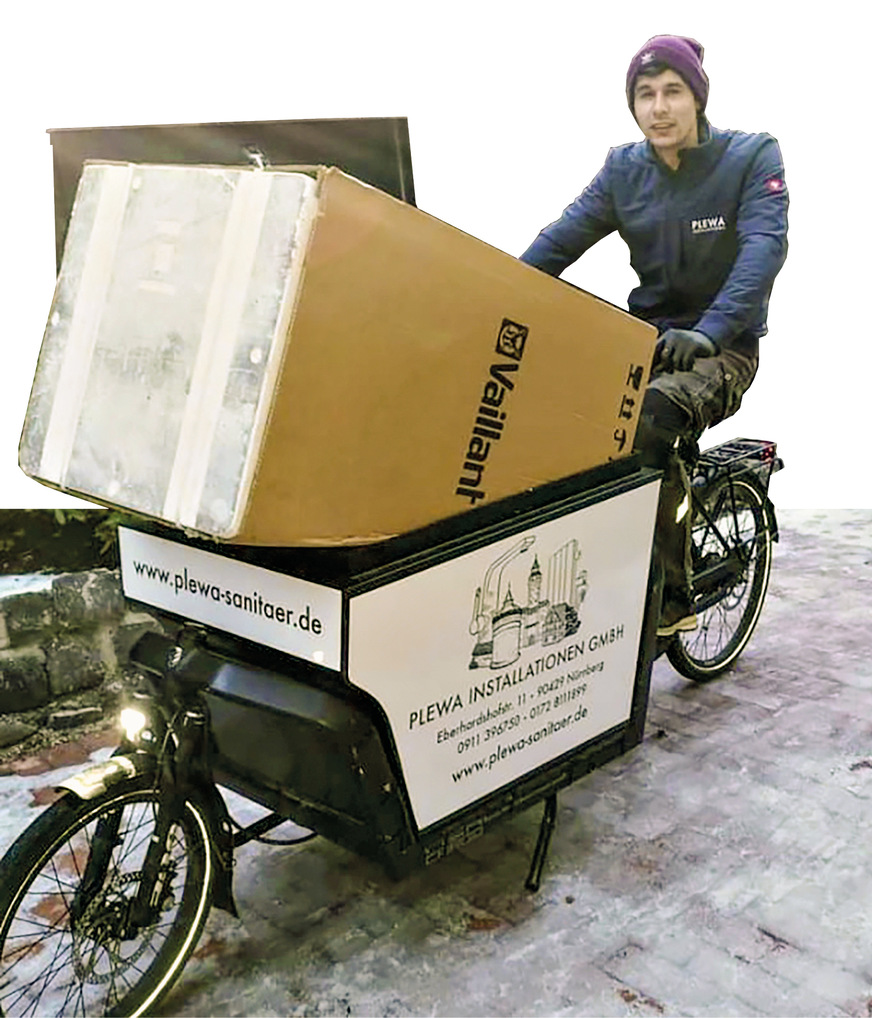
(732, 559)
(68, 942)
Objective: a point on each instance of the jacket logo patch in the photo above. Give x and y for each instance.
(775, 185)
(714, 224)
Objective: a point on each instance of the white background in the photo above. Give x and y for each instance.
(512, 108)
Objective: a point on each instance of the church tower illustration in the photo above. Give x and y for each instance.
(534, 584)
(534, 613)
(507, 633)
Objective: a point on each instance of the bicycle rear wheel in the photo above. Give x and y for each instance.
(732, 559)
(68, 945)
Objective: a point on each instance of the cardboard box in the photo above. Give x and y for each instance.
(292, 357)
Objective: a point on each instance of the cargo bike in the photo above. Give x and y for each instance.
(354, 692)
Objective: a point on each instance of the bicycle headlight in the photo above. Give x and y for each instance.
(133, 722)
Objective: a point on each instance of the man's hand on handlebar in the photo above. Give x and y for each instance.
(677, 349)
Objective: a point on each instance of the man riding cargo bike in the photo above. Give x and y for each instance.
(343, 685)
(704, 214)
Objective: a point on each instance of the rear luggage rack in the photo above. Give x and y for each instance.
(740, 455)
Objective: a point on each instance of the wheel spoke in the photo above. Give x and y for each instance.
(42, 978)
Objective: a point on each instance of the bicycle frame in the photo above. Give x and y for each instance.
(710, 582)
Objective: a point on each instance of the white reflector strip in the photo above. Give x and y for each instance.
(87, 312)
(224, 311)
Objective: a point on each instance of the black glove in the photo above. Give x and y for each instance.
(679, 348)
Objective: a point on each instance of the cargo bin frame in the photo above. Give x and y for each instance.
(312, 745)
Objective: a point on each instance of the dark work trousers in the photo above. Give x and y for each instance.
(682, 404)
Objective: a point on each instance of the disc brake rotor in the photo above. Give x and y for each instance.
(101, 930)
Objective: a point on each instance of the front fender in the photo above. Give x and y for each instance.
(97, 778)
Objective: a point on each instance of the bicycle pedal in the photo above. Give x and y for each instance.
(683, 625)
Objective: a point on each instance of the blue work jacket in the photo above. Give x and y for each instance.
(706, 240)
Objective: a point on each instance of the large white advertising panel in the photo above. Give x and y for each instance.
(284, 612)
(502, 659)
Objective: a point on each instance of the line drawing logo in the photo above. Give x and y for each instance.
(505, 624)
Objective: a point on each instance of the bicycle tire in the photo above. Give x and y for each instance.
(725, 627)
(52, 964)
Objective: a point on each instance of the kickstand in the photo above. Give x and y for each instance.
(546, 829)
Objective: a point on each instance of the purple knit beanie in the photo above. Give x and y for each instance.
(683, 55)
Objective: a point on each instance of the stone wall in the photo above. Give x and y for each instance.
(63, 649)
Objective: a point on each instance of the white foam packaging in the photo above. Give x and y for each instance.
(165, 335)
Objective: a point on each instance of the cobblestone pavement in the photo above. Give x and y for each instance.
(720, 868)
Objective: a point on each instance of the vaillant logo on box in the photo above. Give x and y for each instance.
(511, 340)
(490, 419)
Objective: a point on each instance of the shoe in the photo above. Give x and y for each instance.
(675, 618)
